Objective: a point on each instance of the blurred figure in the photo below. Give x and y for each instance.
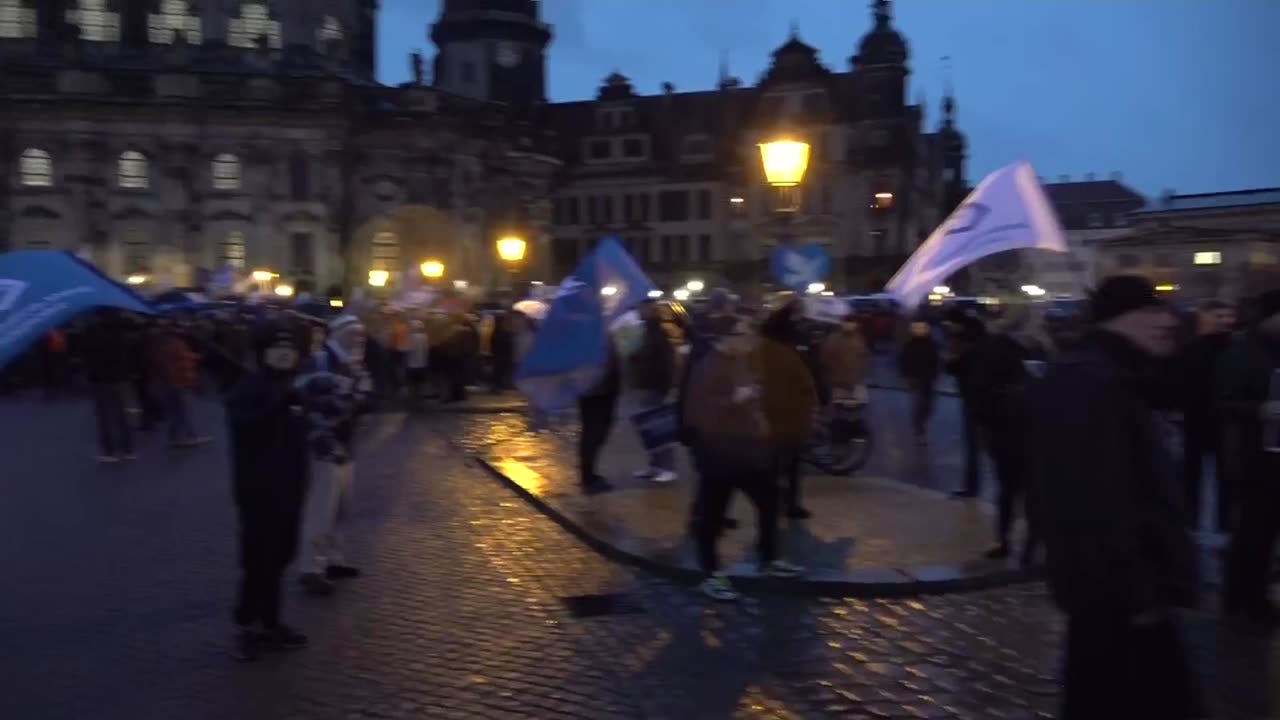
(1249, 400)
(652, 377)
(502, 348)
(334, 387)
(1120, 556)
(416, 360)
(1197, 374)
(106, 360)
(176, 376)
(789, 395)
(919, 364)
(55, 362)
(269, 475)
(965, 336)
(729, 437)
(596, 409)
(142, 376)
(843, 358)
(718, 317)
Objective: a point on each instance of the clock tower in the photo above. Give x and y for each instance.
(492, 50)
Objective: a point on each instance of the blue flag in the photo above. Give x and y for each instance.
(42, 289)
(569, 352)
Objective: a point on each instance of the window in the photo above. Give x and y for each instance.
(593, 214)
(664, 250)
(174, 21)
(254, 28)
(300, 254)
(673, 206)
(642, 249)
(633, 148)
(329, 35)
(16, 20)
(231, 252)
(1163, 259)
(1120, 219)
(226, 172)
(704, 248)
(131, 171)
(628, 208)
(697, 146)
(96, 23)
(599, 150)
(682, 248)
(704, 204)
(299, 178)
(137, 252)
(1093, 220)
(386, 252)
(571, 210)
(642, 209)
(606, 209)
(35, 168)
(1208, 258)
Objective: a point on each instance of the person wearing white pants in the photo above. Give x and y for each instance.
(333, 389)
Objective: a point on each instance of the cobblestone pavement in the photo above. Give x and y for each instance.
(119, 580)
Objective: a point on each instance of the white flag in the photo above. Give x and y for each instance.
(1007, 210)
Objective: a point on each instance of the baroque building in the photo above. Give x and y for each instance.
(175, 138)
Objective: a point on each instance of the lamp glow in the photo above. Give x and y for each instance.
(942, 290)
(736, 200)
(608, 291)
(432, 269)
(460, 284)
(136, 279)
(815, 288)
(335, 303)
(785, 162)
(1033, 290)
(655, 294)
(284, 290)
(263, 275)
(379, 278)
(512, 248)
(681, 294)
(1166, 287)
(695, 286)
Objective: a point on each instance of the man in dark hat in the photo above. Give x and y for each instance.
(1120, 556)
(1249, 400)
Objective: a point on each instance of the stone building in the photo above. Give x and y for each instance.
(172, 138)
(677, 176)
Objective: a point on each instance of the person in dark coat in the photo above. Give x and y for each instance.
(1197, 372)
(502, 347)
(788, 376)
(596, 409)
(918, 364)
(106, 356)
(965, 336)
(269, 455)
(1248, 398)
(652, 376)
(1120, 556)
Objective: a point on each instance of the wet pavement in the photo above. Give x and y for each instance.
(119, 583)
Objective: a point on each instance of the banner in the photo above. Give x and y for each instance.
(569, 352)
(1008, 210)
(658, 427)
(43, 289)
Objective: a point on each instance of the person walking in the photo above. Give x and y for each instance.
(596, 410)
(106, 359)
(730, 440)
(789, 395)
(918, 364)
(652, 376)
(1197, 375)
(843, 357)
(416, 361)
(176, 376)
(269, 474)
(965, 336)
(334, 387)
(1248, 397)
(1120, 556)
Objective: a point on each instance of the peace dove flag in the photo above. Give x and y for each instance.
(1008, 210)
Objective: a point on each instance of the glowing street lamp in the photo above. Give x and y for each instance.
(284, 290)
(815, 288)
(512, 248)
(336, 303)
(681, 294)
(1033, 290)
(263, 275)
(695, 286)
(608, 291)
(432, 269)
(655, 294)
(379, 278)
(785, 162)
(136, 279)
(942, 290)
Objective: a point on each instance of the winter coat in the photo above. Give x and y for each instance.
(173, 361)
(1109, 502)
(332, 393)
(998, 380)
(719, 423)
(1197, 374)
(106, 353)
(268, 441)
(789, 393)
(919, 362)
(1243, 385)
(653, 364)
(843, 358)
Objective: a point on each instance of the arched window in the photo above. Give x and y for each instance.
(329, 34)
(231, 252)
(17, 21)
(254, 27)
(226, 172)
(96, 22)
(131, 171)
(175, 20)
(35, 168)
(386, 252)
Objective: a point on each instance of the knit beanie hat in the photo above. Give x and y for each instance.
(1121, 294)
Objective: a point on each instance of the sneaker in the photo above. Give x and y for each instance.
(247, 646)
(663, 477)
(108, 459)
(782, 569)
(283, 637)
(718, 587)
(316, 584)
(341, 572)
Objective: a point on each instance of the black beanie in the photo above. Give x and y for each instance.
(268, 334)
(1268, 304)
(1121, 294)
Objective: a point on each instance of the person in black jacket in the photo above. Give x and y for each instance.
(652, 375)
(965, 336)
(596, 409)
(918, 363)
(1201, 427)
(107, 361)
(1120, 556)
(269, 475)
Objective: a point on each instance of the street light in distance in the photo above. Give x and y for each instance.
(379, 278)
(512, 248)
(695, 286)
(432, 269)
(284, 290)
(816, 287)
(136, 279)
(785, 162)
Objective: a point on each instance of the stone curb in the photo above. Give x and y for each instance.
(865, 583)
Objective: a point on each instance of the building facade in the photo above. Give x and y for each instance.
(174, 139)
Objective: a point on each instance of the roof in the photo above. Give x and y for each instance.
(1093, 204)
(1213, 201)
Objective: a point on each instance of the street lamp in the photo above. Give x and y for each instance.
(263, 275)
(136, 279)
(681, 294)
(785, 162)
(284, 290)
(379, 278)
(512, 248)
(816, 287)
(432, 269)
(695, 286)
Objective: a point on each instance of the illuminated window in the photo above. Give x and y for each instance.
(231, 252)
(330, 32)
(253, 27)
(16, 20)
(172, 22)
(386, 252)
(1208, 258)
(96, 23)
(35, 168)
(226, 172)
(131, 171)
(137, 252)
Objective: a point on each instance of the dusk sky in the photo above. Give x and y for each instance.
(1179, 94)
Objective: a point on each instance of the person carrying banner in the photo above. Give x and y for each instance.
(334, 387)
(596, 409)
(652, 374)
(268, 435)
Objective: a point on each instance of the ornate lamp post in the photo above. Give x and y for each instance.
(432, 269)
(785, 162)
(511, 250)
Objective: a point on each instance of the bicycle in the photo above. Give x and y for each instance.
(842, 441)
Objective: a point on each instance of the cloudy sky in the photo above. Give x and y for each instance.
(1177, 94)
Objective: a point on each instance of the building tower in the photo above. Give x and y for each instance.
(881, 64)
(953, 155)
(492, 50)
